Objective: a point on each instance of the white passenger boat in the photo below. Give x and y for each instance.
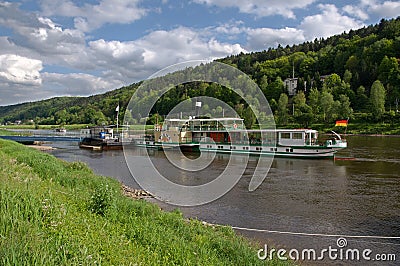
(229, 135)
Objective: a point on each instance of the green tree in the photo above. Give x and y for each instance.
(100, 118)
(274, 89)
(249, 117)
(313, 100)
(327, 104)
(333, 82)
(128, 117)
(303, 112)
(361, 100)
(304, 115)
(314, 103)
(347, 76)
(61, 117)
(282, 111)
(377, 99)
(344, 110)
(299, 99)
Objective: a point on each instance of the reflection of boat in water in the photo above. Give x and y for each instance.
(229, 135)
(100, 138)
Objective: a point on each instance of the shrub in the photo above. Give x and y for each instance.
(101, 199)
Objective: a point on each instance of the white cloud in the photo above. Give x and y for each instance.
(38, 41)
(261, 8)
(355, 11)
(386, 9)
(328, 23)
(116, 62)
(229, 28)
(88, 17)
(263, 38)
(42, 39)
(140, 58)
(74, 84)
(20, 70)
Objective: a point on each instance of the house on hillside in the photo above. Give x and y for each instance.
(324, 77)
(291, 85)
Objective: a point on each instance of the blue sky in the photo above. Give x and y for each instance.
(77, 48)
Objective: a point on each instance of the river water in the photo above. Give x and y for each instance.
(302, 204)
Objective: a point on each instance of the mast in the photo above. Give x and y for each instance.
(293, 70)
(117, 110)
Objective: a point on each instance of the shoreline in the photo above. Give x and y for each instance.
(98, 218)
(364, 135)
(40, 147)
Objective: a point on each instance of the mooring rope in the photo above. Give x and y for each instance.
(311, 234)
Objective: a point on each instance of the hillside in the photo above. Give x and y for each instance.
(351, 75)
(94, 109)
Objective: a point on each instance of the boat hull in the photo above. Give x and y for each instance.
(279, 151)
(312, 152)
(99, 144)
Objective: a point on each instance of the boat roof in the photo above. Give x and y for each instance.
(205, 119)
(283, 130)
(299, 130)
(110, 126)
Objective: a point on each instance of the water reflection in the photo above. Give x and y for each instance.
(360, 196)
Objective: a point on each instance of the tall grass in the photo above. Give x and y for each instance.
(4, 132)
(58, 213)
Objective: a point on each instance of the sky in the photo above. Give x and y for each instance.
(54, 48)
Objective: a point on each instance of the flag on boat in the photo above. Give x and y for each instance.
(117, 109)
(341, 123)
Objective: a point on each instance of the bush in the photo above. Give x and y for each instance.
(101, 200)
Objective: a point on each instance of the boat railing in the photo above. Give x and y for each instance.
(207, 128)
(187, 140)
(238, 142)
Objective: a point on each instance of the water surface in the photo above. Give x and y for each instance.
(356, 195)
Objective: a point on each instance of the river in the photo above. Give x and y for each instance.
(302, 204)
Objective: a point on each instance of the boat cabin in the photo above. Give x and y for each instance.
(297, 137)
(98, 132)
(197, 129)
(230, 130)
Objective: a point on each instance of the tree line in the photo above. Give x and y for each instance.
(352, 75)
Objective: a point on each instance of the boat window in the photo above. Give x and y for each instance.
(297, 135)
(285, 135)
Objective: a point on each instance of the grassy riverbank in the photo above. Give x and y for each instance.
(49, 127)
(354, 128)
(4, 132)
(58, 213)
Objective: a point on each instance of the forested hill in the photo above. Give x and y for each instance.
(95, 109)
(354, 74)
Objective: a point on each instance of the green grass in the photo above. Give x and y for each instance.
(4, 132)
(372, 129)
(68, 127)
(354, 128)
(59, 213)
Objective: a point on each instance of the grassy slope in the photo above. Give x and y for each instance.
(58, 213)
(4, 132)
